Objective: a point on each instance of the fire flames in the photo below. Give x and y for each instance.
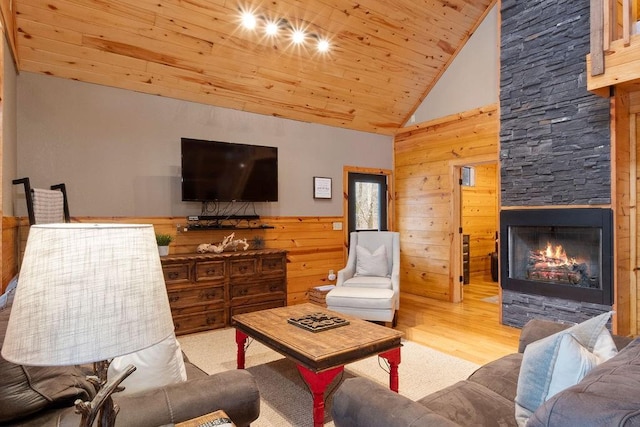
(555, 256)
(553, 265)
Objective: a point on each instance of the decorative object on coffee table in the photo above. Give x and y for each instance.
(88, 293)
(318, 322)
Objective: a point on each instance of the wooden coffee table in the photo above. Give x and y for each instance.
(320, 356)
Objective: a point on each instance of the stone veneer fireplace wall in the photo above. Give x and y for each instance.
(554, 135)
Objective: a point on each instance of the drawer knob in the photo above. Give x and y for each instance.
(173, 275)
(173, 298)
(274, 288)
(211, 272)
(210, 295)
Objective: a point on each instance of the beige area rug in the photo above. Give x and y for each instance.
(285, 398)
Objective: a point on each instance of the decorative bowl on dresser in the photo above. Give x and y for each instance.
(206, 290)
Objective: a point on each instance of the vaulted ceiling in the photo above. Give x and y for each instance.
(384, 58)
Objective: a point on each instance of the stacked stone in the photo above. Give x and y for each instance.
(555, 135)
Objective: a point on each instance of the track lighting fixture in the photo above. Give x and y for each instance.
(298, 35)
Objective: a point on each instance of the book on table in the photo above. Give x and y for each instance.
(213, 419)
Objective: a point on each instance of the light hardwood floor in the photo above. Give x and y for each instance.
(469, 330)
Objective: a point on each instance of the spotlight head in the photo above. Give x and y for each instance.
(248, 20)
(323, 45)
(271, 28)
(298, 36)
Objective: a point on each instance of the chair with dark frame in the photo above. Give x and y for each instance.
(45, 205)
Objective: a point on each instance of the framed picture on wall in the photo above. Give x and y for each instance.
(321, 187)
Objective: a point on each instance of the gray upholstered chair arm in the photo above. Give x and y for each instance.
(349, 270)
(359, 402)
(234, 391)
(344, 274)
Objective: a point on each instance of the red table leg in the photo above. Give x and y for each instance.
(241, 339)
(318, 382)
(393, 356)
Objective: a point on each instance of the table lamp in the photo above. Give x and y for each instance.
(88, 293)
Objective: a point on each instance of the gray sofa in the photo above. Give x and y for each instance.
(608, 395)
(44, 396)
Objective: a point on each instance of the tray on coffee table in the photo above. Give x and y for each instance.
(317, 322)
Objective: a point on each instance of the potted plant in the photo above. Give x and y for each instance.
(163, 241)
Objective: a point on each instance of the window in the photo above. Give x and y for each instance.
(367, 202)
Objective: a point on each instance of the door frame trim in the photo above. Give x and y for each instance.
(345, 200)
(455, 254)
(633, 224)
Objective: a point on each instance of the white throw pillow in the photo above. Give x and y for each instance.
(556, 362)
(572, 364)
(156, 366)
(372, 264)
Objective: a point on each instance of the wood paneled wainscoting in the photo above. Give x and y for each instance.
(10, 249)
(313, 247)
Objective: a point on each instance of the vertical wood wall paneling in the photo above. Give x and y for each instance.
(10, 250)
(634, 212)
(3, 5)
(633, 222)
(621, 168)
(423, 158)
(313, 247)
(9, 24)
(479, 218)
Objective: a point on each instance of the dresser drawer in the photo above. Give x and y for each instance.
(274, 265)
(195, 309)
(176, 273)
(204, 289)
(197, 322)
(210, 270)
(187, 296)
(243, 267)
(251, 289)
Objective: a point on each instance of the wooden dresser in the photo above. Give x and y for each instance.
(206, 290)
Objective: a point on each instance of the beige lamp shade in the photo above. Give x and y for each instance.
(87, 293)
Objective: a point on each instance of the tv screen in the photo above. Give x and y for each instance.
(226, 172)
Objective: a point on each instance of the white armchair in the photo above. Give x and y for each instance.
(369, 286)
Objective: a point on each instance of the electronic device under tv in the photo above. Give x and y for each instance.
(214, 171)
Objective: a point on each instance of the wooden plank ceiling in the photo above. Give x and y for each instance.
(385, 55)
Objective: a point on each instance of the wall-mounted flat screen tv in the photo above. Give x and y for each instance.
(228, 172)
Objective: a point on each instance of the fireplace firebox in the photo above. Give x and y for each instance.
(565, 253)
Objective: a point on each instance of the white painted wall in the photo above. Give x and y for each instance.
(472, 79)
(118, 151)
